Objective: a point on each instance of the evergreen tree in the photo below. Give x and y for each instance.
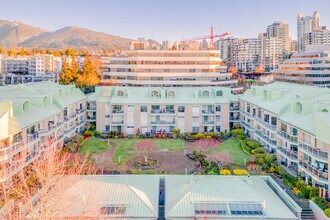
(89, 76)
(66, 74)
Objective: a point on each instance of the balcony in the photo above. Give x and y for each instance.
(14, 148)
(318, 154)
(117, 122)
(80, 123)
(161, 122)
(246, 114)
(287, 153)
(313, 171)
(291, 138)
(91, 118)
(265, 124)
(69, 130)
(207, 111)
(91, 108)
(234, 108)
(50, 129)
(247, 125)
(70, 117)
(208, 122)
(117, 111)
(80, 111)
(234, 119)
(164, 111)
(266, 139)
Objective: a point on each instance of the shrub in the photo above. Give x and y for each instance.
(272, 169)
(79, 139)
(240, 172)
(97, 133)
(151, 172)
(279, 170)
(237, 131)
(253, 144)
(327, 212)
(211, 172)
(208, 137)
(321, 202)
(176, 131)
(136, 172)
(225, 172)
(199, 136)
(240, 137)
(259, 150)
(313, 192)
(180, 172)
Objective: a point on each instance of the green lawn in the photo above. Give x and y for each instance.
(233, 146)
(94, 145)
(125, 148)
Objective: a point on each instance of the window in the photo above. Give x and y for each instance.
(195, 129)
(144, 108)
(217, 128)
(217, 118)
(219, 93)
(113, 210)
(107, 128)
(107, 116)
(120, 93)
(171, 94)
(154, 94)
(217, 108)
(205, 94)
(181, 108)
(195, 119)
(298, 107)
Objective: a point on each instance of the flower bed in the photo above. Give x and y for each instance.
(151, 164)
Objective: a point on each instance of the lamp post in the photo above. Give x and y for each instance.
(119, 159)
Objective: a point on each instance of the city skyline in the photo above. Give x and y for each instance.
(165, 20)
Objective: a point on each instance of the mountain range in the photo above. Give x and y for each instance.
(18, 34)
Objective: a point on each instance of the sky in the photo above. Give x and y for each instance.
(164, 19)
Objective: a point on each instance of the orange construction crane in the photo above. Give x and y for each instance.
(211, 37)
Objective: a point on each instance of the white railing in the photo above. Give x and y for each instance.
(318, 212)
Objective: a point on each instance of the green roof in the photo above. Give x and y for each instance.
(142, 95)
(183, 192)
(89, 193)
(282, 99)
(44, 100)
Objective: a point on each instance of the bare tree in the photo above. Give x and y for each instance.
(31, 191)
(222, 159)
(145, 147)
(205, 144)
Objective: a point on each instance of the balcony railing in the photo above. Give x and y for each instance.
(313, 151)
(208, 122)
(118, 122)
(80, 123)
(245, 124)
(14, 148)
(289, 137)
(291, 154)
(117, 111)
(247, 114)
(313, 170)
(80, 111)
(164, 122)
(91, 108)
(265, 138)
(164, 111)
(265, 124)
(68, 130)
(207, 111)
(233, 118)
(234, 108)
(91, 118)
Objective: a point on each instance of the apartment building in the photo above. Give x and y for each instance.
(280, 30)
(305, 25)
(156, 109)
(292, 121)
(310, 67)
(35, 117)
(319, 37)
(248, 54)
(168, 68)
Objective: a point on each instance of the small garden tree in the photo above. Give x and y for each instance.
(222, 159)
(204, 145)
(145, 147)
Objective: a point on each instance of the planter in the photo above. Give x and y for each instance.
(148, 167)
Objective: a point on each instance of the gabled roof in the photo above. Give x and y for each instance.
(91, 193)
(182, 192)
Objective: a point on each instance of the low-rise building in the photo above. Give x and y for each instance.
(168, 68)
(155, 109)
(292, 121)
(35, 117)
(310, 67)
